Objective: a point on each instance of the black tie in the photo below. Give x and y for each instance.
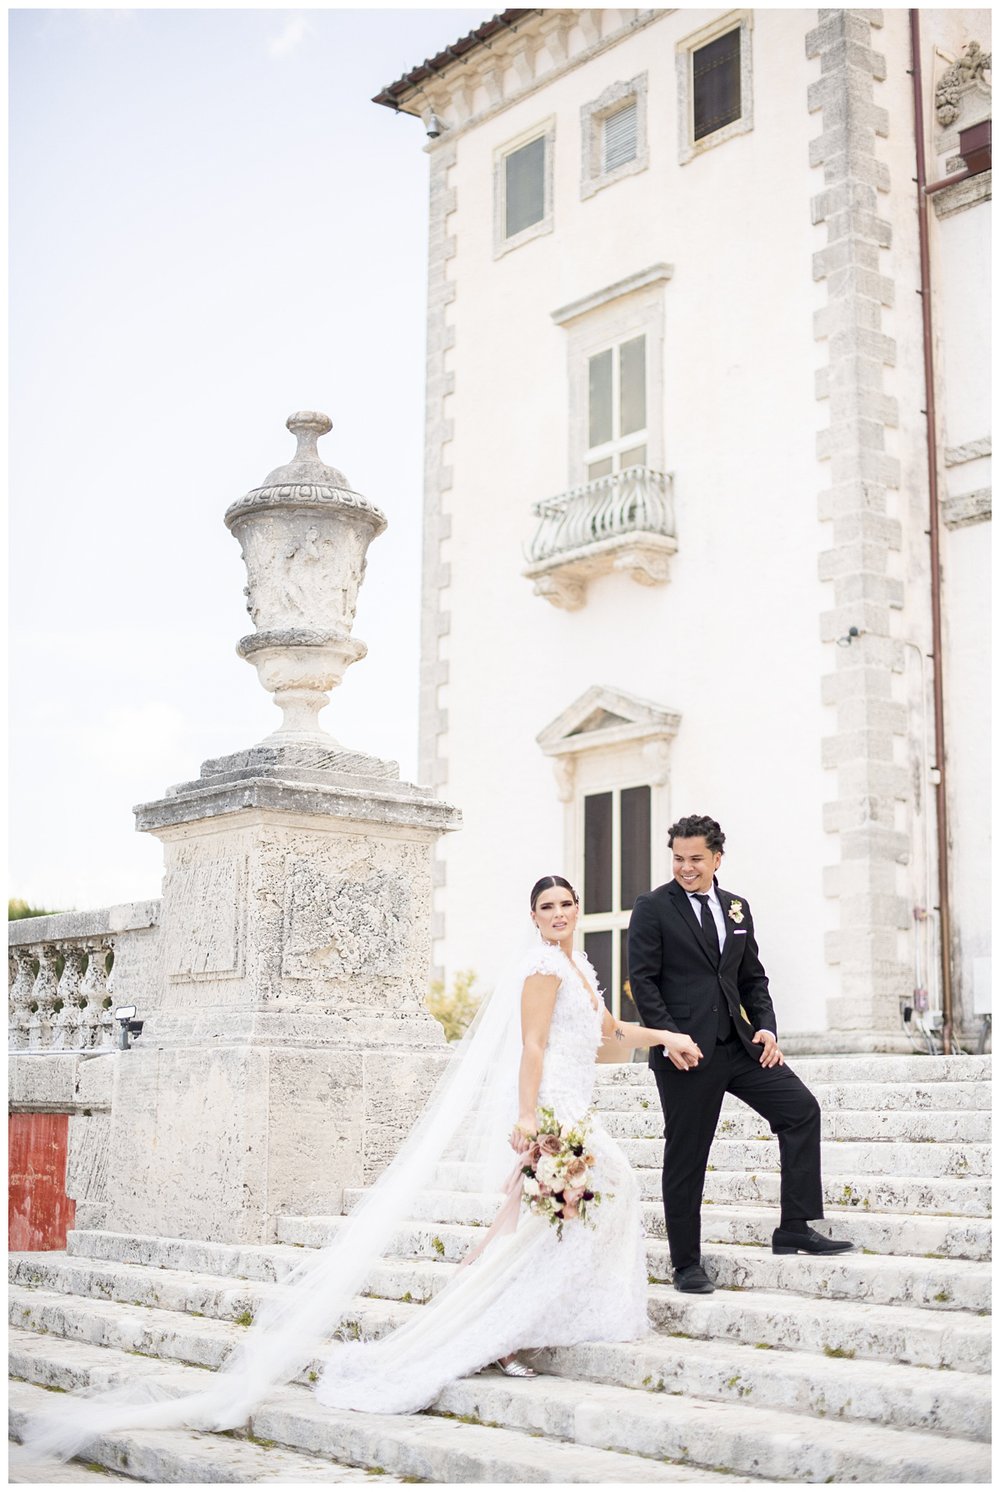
(709, 928)
(711, 932)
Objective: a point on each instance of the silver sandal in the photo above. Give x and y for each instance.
(515, 1368)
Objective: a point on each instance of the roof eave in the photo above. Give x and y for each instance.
(394, 95)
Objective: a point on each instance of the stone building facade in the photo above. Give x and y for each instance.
(677, 485)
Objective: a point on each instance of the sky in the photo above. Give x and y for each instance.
(211, 226)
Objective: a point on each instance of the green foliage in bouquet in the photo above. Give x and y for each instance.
(454, 1008)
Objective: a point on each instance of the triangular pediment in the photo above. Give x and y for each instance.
(600, 720)
(605, 714)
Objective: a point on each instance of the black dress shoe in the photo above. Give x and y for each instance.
(810, 1242)
(693, 1280)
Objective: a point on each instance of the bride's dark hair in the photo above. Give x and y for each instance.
(546, 884)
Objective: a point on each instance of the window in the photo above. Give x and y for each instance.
(524, 187)
(522, 175)
(613, 132)
(611, 755)
(616, 408)
(616, 869)
(716, 84)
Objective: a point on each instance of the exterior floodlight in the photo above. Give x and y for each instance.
(127, 1025)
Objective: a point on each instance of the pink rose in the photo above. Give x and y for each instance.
(570, 1210)
(576, 1172)
(549, 1144)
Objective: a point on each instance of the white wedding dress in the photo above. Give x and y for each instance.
(529, 1288)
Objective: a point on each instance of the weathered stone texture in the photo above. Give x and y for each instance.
(859, 564)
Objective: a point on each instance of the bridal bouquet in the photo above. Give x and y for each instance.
(556, 1171)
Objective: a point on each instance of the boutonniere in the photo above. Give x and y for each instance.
(736, 911)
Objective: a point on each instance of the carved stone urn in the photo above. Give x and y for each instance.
(304, 535)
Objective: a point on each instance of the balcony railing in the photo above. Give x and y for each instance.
(624, 521)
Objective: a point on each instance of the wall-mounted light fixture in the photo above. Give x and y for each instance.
(127, 1025)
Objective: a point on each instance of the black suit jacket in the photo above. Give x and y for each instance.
(674, 981)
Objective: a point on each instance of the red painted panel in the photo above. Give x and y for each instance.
(39, 1212)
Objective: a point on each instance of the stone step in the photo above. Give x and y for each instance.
(873, 1232)
(956, 1340)
(161, 1456)
(948, 1284)
(859, 1068)
(750, 1440)
(848, 1389)
(267, 1262)
(928, 1125)
(884, 1279)
(897, 1159)
(186, 1292)
(425, 1447)
(50, 1473)
(942, 1196)
(947, 1196)
(876, 1279)
(831, 1096)
(137, 1330)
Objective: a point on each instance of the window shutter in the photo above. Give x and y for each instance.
(621, 136)
(525, 187)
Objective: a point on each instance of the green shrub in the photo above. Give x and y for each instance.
(16, 909)
(456, 1007)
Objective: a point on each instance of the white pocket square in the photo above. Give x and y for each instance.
(739, 932)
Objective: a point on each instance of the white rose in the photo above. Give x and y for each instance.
(548, 1172)
(531, 1187)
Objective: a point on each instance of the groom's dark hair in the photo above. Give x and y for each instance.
(698, 825)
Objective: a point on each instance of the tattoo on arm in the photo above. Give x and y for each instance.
(619, 1034)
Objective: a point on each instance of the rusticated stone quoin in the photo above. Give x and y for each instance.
(859, 411)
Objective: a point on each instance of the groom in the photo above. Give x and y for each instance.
(692, 963)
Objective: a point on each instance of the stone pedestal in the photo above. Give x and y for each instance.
(293, 1049)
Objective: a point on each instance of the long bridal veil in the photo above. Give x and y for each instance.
(468, 1119)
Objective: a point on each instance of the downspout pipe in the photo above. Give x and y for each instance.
(937, 647)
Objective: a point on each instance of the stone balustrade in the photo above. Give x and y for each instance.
(623, 521)
(61, 982)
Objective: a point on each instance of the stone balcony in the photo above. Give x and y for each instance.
(622, 522)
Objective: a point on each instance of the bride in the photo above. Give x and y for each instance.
(532, 1047)
(527, 1289)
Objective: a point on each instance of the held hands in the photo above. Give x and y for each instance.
(771, 1056)
(682, 1051)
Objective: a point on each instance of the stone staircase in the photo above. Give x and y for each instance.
(868, 1367)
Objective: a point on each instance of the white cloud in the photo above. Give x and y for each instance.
(293, 34)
